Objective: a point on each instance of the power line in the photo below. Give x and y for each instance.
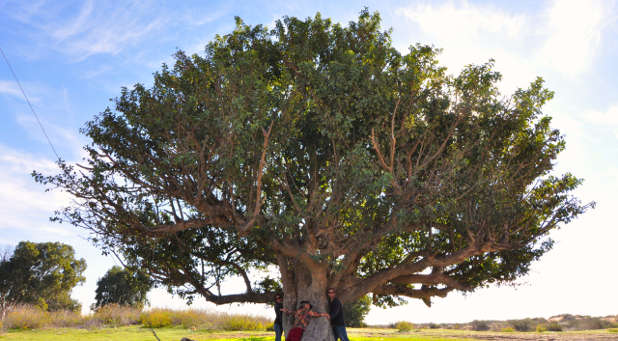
(29, 104)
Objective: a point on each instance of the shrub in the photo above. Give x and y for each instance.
(156, 318)
(270, 327)
(541, 328)
(26, 317)
(116, 315)
(612, 330)
(241, 322)
(587, 323)
(554, 327)
(507, 329)
(521, 325)
(404, 326)
(65, 319)
(480, 325)
(193, 319)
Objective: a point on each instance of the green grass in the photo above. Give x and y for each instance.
(135, 333)
(138, 333)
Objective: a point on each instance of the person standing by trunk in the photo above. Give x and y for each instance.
(301, 320)
(278, 324)
(336, 316)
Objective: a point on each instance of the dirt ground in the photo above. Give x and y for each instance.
(458, 334)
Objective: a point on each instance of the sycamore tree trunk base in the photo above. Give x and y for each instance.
(309, 286)
(319, 330)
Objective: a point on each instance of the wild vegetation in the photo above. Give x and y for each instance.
(113, 315)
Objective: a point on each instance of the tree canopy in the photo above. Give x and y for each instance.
(322, 150)
(123, 286)
(41, 274)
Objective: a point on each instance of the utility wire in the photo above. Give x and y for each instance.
(29, 104)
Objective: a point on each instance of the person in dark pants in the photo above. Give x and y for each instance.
(278, 325)
(336, 316)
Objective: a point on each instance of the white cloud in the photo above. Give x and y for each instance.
(25, 205)
(604, 119)
(10, 88)
(107, 36)
(573, 31)
(77, 26)
(473, 34)
(565, 38)
(466, 20)
(95, 28)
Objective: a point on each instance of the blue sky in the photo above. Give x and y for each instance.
(73, 56)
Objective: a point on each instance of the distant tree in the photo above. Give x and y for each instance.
(42, 274)
(123, 286)
(6, 301)
(324, 151)
(356, 311)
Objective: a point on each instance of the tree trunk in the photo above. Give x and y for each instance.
(306, 285)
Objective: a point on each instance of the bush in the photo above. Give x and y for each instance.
(480, 325)
(541, 328)
(65, 319)
(116, 315)
(404, 326)
(190, 319)
(507, 329)
(26, 317)
(554, 327)
(521, 325)
(587, 323)
(612, 330)
(156, 318)
(242, 322)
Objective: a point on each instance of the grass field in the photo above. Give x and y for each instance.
(136, 333)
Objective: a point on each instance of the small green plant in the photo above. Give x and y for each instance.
(612, 330)
(156, 318)
(541, 328)
(507, 329)
(404, 326)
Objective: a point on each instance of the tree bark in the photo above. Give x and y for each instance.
(303, 284)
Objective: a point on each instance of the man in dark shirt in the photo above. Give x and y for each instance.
(278, 325)
(336, 316)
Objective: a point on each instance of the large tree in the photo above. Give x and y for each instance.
(323, 151)
(41, 274)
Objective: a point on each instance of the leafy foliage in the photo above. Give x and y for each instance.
(41, 274)
(124, 287)
(356, 311)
